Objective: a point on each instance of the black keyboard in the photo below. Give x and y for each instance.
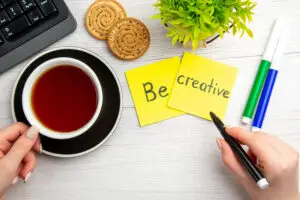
(24, 20)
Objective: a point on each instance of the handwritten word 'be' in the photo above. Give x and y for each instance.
(151, 95)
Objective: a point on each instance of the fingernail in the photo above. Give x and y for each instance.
(227, 126)
(32, 133)
(41, 149)
(27, 177)
(219, 144)
(15, 181)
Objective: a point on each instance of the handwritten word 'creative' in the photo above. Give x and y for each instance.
(211, 88)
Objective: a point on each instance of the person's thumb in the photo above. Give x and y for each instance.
(22, 146)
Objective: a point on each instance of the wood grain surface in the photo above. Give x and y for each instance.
(176, 159)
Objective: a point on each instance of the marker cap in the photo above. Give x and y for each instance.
(274, 38)
(279, 52)
(246, 120)
(255, 129)
(263, 184)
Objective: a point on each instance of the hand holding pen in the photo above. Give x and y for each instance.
(277, 160)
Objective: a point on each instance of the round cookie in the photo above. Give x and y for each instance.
(129, 39)
(102, 15)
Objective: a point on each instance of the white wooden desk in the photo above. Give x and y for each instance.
(176, 159)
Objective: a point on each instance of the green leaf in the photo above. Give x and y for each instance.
(243, 33)
(157, 16)
(206, 19)
(195, 44)
(186, 39)
(196, 32)
(177, 21)
(234, 30)
(250, 33)
(174, 40)
(170, 34)
(187, 24)
(181, 37)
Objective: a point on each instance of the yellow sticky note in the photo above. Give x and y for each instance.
(202, 85)
(151, 87)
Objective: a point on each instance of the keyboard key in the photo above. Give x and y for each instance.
(3, 18)
(7, 2)
(47, 7)
(14, 10)
(27, 4)
(1, 41)
(15, 27)
(35, 16)
(1, 6)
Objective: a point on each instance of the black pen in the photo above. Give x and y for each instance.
(241, 155)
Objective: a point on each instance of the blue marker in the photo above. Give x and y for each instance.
(269, 83)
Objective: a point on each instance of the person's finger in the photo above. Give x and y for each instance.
(29, 163)
(37, 147)
(22, 146)
(4, 146)
(1, 154)
(16, 179)
(252, 156)
(235, 167)
(230, 160)
(255, 141)
(13, 132)
(241, 135)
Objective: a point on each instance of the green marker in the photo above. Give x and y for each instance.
(262, 72)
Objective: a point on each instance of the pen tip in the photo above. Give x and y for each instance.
(212, 115)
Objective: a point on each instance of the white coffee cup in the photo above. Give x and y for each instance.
(28, 89)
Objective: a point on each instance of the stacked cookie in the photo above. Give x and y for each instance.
(128, 38)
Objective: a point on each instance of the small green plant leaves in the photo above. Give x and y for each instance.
(196, 20)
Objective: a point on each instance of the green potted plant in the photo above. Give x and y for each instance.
(195, 21)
